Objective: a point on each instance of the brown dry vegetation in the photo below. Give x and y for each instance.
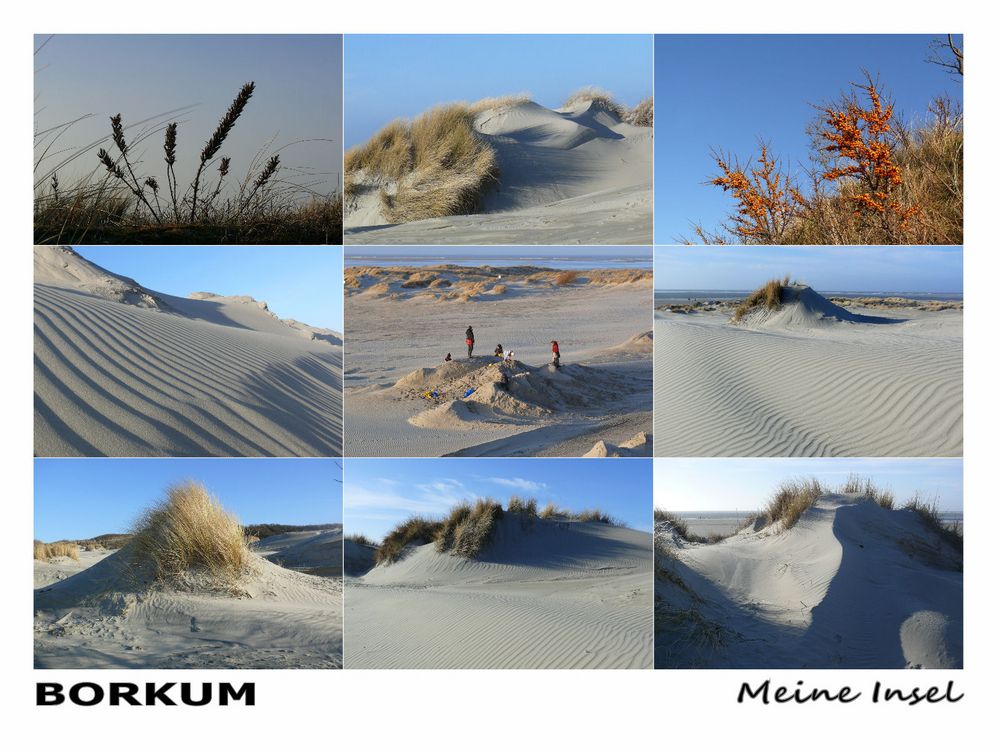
(362, 540)
(640, 115)
(47, 551)
(468, 527)
(411, 531)
(769, 296)
(438, 165)
(792, 498)
(190, 531)
(120, 203)
(468, 283)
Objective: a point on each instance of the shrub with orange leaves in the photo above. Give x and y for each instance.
(766, 197)
(860, 137)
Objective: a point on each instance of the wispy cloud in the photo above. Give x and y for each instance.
(518, 483)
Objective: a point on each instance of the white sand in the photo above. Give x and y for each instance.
(318, 552)
(397, 339)
(809, 381)
(103, 617)
(574, 176)
(556, 594)
(851, 585)
(122, 370)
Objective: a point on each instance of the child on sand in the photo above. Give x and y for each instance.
(470, 340)
(555, 353)
(508, 357)
(498, 352)
(447, 357)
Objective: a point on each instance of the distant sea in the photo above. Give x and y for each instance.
(708, 522)
(569, 262)
(680, 296)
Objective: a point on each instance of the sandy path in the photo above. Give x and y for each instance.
(841, 390)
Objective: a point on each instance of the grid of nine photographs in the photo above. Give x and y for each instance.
(521, 395)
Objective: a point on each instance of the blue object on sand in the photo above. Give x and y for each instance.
(469, 392)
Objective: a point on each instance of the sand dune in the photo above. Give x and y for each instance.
(543, 594)
(570, 176)
(107, 616)
(850, 585)
(809, 379)
(122, 370)
(405, 400)
(317, 552)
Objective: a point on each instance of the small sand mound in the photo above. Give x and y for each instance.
(800, 307)
(467, 394)
(640, 444)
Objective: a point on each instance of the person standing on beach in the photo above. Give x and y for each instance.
(470, 340)
(555, 353)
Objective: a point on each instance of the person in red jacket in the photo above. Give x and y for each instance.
(470, 340)
(555, 353)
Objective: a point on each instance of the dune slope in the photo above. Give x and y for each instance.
(851, 585)
(124, 371)
(108, 616)
(543, 594)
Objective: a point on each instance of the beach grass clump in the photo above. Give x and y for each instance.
(927, 511)
(768, 295)
(866, 489)
(526, 506)
(641, 114)
(792, 498)
(190, 531)
(468, 528)
(414, 530)
(47, 551)
(598, 96)
(436, 165)
(362, 540)
(590, 515)
(565, 278)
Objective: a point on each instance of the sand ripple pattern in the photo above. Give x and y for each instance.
(117, 380)
(890, 390)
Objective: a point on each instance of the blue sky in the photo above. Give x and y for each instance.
(726, 91)
(841, 269)
(379, 493)
(298, 96)
(304, 283)
(81, 498)
(390, 76)
(746, 484)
